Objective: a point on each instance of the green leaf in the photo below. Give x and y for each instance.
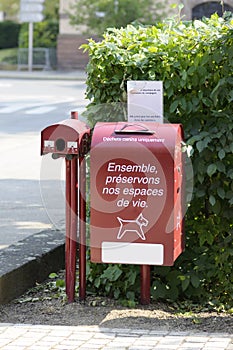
(97, 282)
(200, 178)
(112, 273)
(130, 295)
(217, 207)
(211, 169)
(207, 102)
(202, 240)
(221, 166)
(195, 138)
(221, 154)
(184, 75)
(212, 200)
(131, 276)
(185, 283)
(230, 174)
(60, 283)
(116, 293)
(221, 192)
(201, 193)
(195, 281)
(174, 106)
(159, 290)
(200, 146)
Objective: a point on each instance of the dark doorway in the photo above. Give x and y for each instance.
(208, 8)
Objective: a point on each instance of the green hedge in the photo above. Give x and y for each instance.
(44, 34)
(9, 33)
(195, 62)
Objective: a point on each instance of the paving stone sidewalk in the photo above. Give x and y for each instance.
(35, 337)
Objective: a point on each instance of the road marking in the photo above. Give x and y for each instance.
(33, 107)
(5, 85)
(11, 109)
(41, 110)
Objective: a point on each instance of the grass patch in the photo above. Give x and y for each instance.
(8, 58)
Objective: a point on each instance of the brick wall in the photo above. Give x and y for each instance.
(69, 56)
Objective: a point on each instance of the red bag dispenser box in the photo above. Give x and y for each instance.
(70, 137)
(137, 190)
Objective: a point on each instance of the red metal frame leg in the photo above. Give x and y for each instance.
(82, 228)
(71, 227)
(145, 284)
(67, 238)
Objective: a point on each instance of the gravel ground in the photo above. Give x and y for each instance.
(39, 306)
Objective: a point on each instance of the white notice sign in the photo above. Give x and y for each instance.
(31, 11)
(145, 101)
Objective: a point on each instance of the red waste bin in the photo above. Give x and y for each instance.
(136, 188)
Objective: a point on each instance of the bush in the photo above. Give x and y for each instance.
(9, 33)
(195, 62)
(44, 35)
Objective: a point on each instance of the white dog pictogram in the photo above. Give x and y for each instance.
(132, 226)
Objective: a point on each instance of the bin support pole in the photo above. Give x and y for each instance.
(82, 228)
(71, 227)
(145, 284)
(67, 238)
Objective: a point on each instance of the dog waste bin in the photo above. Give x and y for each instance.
(136, 182)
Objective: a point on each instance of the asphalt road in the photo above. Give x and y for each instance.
(31, 186)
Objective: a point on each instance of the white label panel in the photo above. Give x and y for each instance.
(72, 144)
(145, 101)
(132, 253)
(48, 143)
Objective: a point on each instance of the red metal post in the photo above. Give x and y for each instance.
(74, 115)
(82, 228)
(145, 285)
(73, 225)
(71, 229)
(67, 238)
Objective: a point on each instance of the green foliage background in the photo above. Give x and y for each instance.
(195, 63)
(10, 8)
(114, 13)
(9, 32)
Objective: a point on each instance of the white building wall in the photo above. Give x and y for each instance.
(64, 25)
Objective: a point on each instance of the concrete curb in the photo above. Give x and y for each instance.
(30, 261)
